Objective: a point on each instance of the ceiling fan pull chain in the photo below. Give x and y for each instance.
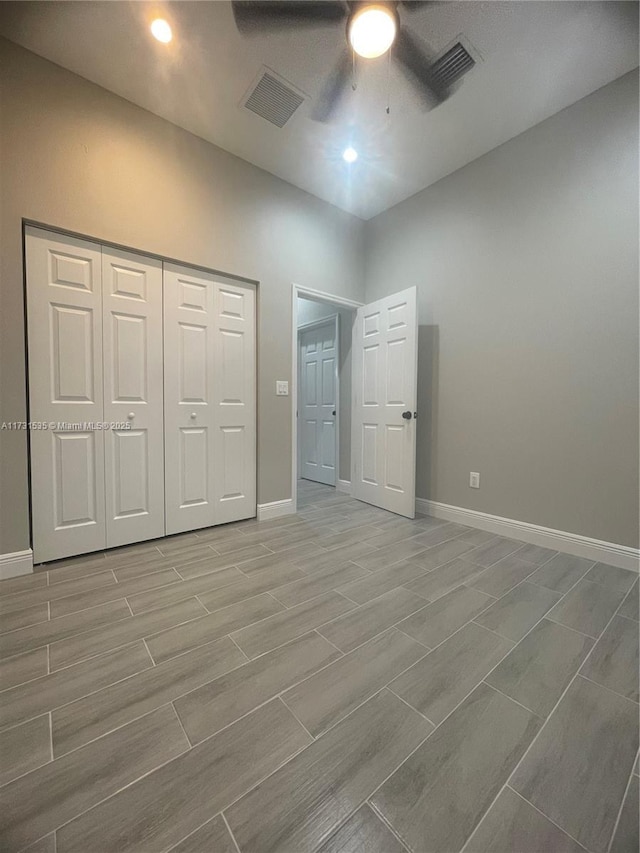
(354, 82)
(388, 82)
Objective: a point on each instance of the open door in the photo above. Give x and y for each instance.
(385, 368)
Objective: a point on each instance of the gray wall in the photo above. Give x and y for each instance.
(308, 311)
(74, 156)
(526, 263)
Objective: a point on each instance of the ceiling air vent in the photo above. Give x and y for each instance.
(452, 64)
(271, 97)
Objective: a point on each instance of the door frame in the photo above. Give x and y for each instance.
(298, 290)
(330, 319)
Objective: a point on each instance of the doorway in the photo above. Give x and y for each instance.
(321, 349)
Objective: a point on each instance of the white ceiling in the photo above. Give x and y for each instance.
(537, 58)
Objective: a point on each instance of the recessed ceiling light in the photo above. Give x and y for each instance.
(372, 31)
(350, 155)
(161, 30)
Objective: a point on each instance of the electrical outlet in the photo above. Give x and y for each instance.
(474, 480)
(282, 388)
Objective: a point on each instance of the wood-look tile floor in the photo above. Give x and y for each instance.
(340, 680)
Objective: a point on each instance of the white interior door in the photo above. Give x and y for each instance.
(385, 361)
(64, 312)
(133, 396)
(318, 402)
(210, 384)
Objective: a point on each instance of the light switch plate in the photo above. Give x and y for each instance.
(282, 388)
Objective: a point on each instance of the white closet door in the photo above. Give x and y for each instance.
(64, 305)
(385, 365)
(317, 418)
(189, 323)
(210, 388)
(133, 396)
(234, 369)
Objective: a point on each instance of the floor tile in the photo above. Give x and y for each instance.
(323, 581)
(300, 806)
(252, 568)
(626, 838)
(534, 554)
(502, 576)
(46, 798)
(190, 544)
(438, 682)
(40, 594)
(374, 584)
(512, 825)
(349, 537)
(329, 695)
(590, 728)
(539, 668)
(364, 832)
(436, 798)
(221, 701)
(612, 577)
(561, 572)
(92, 716)
(434, 623)
(24, 639)
(630, 605)
(44, 845)
(372, 618)
(179, 590)
(23, 618)
(24, 747)
(442, 580)
(514, 614)
(159, 810)
(21, 668)
(269, 579)
(51, 691)
(213, 837)
(444, 553)
(90, 643)
(383, 557)
(312, 563)
(488, 554)
(477, 537)
(197, 632)
(139, 569)
(587, 608)
(437, 535)
(78, 571)
(91, 598)
(614, 661)
(292, 623)
(11, 586)
(215, 563)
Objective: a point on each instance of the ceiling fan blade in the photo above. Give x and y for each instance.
(334, 89)
(255, 15)
(416, 5)
(418, 67)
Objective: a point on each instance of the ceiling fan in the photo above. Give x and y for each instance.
(372, 28)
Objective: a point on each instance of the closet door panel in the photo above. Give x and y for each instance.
(64, 309)
(189, 324)
(133, 396)
(234, 460)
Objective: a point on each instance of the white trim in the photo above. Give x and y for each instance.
(316, 324)
(308, 293)
(344, 486)
(276, 509)
(571, 543)
(18, 563)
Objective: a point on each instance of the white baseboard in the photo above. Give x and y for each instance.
(16, 564)
(275, 509)
(344, 486)
(571, 543)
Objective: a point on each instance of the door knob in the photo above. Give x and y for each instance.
(130, 416)
(407, 416)
(333, 413)
(193, 416)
